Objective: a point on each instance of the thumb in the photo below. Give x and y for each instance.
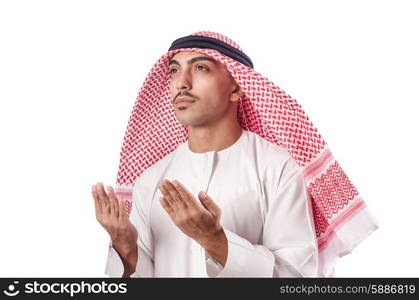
(209, 204)
(124, 208)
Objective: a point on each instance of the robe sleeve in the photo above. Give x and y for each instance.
(139, 217)
(289, 244)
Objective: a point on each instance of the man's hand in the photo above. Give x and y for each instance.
(111, 214)
(198, 220)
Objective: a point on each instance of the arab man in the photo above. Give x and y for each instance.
(222, 174)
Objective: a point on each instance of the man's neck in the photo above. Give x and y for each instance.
(205, 139)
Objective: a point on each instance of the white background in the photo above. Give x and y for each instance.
(70, 72)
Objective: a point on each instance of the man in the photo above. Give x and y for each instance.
(224, 199)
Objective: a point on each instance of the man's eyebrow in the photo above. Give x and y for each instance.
(195, 59)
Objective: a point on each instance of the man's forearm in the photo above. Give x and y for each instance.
(217, 247)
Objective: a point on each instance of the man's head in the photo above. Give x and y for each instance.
(203, 91)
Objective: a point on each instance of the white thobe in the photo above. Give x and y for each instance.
(265, 213)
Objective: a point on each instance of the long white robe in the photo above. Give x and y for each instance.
(265, 213)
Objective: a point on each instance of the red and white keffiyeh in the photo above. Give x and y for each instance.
(341, 218)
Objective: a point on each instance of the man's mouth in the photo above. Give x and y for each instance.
(184, 100)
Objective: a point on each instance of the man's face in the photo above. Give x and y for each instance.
(202, 90)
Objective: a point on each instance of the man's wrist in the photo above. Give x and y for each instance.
(129, 257)
(213, 241)
(125, 250)
(217, 246)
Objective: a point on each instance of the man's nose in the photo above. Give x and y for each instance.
(184, 81)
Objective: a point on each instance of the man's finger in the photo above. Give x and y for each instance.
(167, 206)
(98, 203)
(179, 201)
(209, 204)
(122, 209)
(187, 196)
(165, 192)
(114, 201)
(102, 195)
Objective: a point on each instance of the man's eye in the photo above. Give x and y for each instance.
(201, 67)
(171, 71)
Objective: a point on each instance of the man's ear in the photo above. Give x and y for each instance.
(236, 93)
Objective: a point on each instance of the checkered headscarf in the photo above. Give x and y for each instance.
(341, 217)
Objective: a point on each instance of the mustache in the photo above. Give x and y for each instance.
(185, 94)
